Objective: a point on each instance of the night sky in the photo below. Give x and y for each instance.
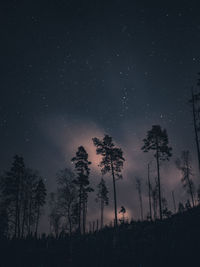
(73, 70)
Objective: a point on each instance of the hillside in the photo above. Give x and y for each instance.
(172, 242)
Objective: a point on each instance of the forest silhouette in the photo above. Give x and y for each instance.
(160, 238)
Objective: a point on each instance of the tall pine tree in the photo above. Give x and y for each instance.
(157, 140)
(112, 162)
(82, 181)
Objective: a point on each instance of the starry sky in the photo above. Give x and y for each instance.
(73, 70)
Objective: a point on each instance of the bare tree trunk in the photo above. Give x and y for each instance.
(141, 206)
(69, 219)
(159, 191)
(84, 212)
(174, 202)
(79, 210)
(189, 183)
(23, 220)
(97, 227)
(37, 221)
(102, 210)
(195, 128)
(149, 187)
(93, 226)
(83, 218)
(115, 197)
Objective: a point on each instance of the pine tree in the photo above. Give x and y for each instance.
(157, 140)
(102, 196)
(112, 161)
(82, 182)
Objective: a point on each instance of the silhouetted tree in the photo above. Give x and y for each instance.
(102, 197)
(187, 205)
(166, 212)
(195, 102)
(122, 211)
(139, 189)
(67, 196)
(154, 194)
(181, 207)
(112, 161)
(55, 215)
(20, 198)
(40, 200)
(14, 192)
(4, 220)
(82, 182)
(174, 201)
(149, 192)
(184, 165)
(157, 140)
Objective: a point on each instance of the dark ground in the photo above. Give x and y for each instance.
(172, 242)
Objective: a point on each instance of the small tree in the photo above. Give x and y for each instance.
(102, 197)
(112, 161)
(187, 205)
(122, 211)
(166, 212)
(181, 207)
(184, 165)
(157, 140)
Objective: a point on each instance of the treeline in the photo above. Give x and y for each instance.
(23, 192)
(22, 196)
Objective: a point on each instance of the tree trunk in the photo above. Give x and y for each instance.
(115, 197)
(141, 205)
(195, 128)
(189, 183)
(79, 210)
(159, 191)
(102, 210)
(37, 221)
(84, 211)
(23, 220)
(149, 187)
(69, 219)
(174, 202)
